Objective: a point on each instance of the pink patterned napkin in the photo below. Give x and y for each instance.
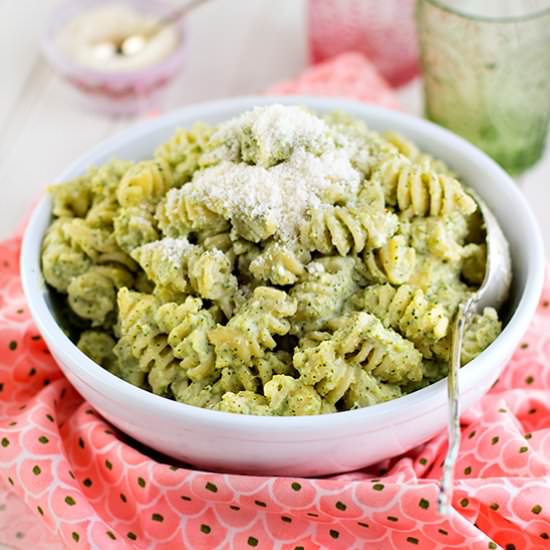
(75, 480)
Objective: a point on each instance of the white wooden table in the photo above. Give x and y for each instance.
(236, 47)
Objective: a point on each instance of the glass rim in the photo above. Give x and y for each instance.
(487, 18)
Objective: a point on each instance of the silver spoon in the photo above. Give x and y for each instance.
(130, 45)
(492, 292)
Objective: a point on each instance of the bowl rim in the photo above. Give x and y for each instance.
(96, 376)
(70, 68)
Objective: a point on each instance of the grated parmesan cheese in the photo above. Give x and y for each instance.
(172, 250)
(277, 196)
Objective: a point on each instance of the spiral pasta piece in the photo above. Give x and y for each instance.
(146, 181)
(98, 346)
(62, 261)
(104, 182)
(71, 199)
(279, 264)
(135, 226)
(99, 244)
(182, 152)
(165, 262)
(406, 310)
(249, 333)
(366, 390)
(364, 340)
(179, 214)
(92, 295)
(328, 283)
(187, 326)
(394, 262)
(321, 366)
(420, 192)
(146, 342)
(346, 229)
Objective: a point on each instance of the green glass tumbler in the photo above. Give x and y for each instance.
(486, 69)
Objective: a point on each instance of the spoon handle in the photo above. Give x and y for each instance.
(176, 13)
(453, 393)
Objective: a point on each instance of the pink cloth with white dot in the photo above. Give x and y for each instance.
(68, 478)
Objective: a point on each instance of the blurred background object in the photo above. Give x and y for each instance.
(117, 54)
(382, 30)
(486, 70)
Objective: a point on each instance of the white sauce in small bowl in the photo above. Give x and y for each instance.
(81, 37)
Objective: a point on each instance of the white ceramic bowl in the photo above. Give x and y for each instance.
(310, 445)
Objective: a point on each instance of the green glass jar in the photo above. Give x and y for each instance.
(486, 69)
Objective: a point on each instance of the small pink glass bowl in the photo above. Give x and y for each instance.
(114, 93)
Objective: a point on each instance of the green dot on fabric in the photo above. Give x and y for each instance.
(211, 487)
(523, 449)
(131, 536)
(36, 470)
(286, 519)
(252, 541)
(528, 435)
(334, 534)
(76, 536)
(494, 506)
(467, 470)
(157, 517)
(70, 501)
(423, 461)
(49, 417)
(140, 480)
(502, 410)
(205, 528)
(295, 486)
(111, 535)
(495, 440)
(492, 545)
(87, 482)
(529, 380)
(378, 487)
(464, 502)
(12, 345)
(5, 442)
(109, 466)
(537, 509)
(43, 439)
(412, 540)
(340, 505)
(423, 503)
